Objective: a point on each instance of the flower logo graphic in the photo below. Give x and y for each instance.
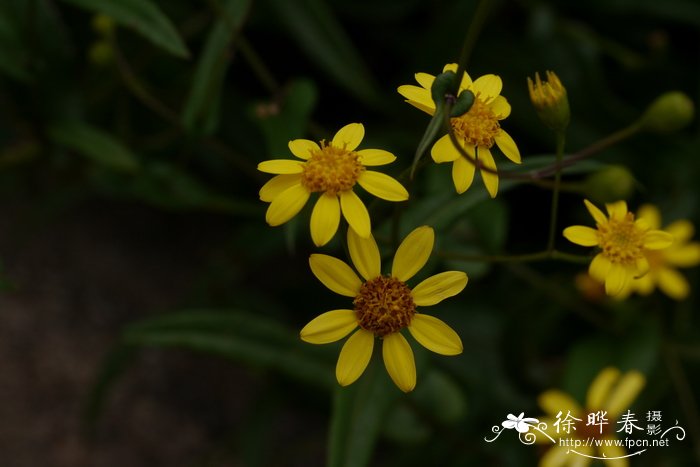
(521, 425)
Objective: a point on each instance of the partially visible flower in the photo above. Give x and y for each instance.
(663, 263)
(521, 424)
(623, 243)
(330, 169)
(477, 130)
(550, 101)
(589, 288)
(611, 393)
(383, 305)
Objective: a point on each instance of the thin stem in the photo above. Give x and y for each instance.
(685, 395)
(521, 258)
(258, 65)
(478, 21)
(561, 141)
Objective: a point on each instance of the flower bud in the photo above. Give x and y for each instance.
(103, 25)
(670, 112)
(101, 53)
(609, 184)
(550, 101)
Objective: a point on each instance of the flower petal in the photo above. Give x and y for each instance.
(372, 157)
(436, 288)
(599, 390)
(413, 253)
(597, 214)
(506, 144)
(490, 178)
(349, 137)
(466, 79)
(355, 213)
(624, 393)
(364, 254)
(354, 357)
(399, 362)
(684, 256)
(657, 239)
(462, 174)
(673, 284)
(500, 107)
(286, 205)
(557, 456)
(617, 279)
(276, 185)
(617, 210)
(425, 80)
(581, 235)
(281, 166)
(615, 456)
(553, 401)
(417, 95)
(487, 87)
(303, 148)
(325, 219)
(329, 327)
(335, 274)
(444, 151)
(382, 186)
(651, 215)
(599, 267)
(682, 230)
(435, 335)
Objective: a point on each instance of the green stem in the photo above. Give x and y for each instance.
(561, 142)
(522, 258)
(258, 65)
(478, 21)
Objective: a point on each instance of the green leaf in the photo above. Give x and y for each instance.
(201, 111)
(94, 144)
(142, 16)
(314, 26)
(13, 58)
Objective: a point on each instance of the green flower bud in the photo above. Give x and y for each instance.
(550, 101)
(609, 184)
(670, 112)
(103, 25)
(101, 53)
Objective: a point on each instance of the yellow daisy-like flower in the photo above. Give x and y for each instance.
(623, 241)
(663, 263)
(610, 392)
(383, 305)
(477, 130)
(330, 169)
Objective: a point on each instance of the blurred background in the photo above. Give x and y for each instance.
(149, 316)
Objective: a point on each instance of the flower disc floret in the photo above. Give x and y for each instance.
(478, 127)
(331, 169)
(621, 240)
(384, 305)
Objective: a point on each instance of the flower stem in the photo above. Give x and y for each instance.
(478, 20)
(561, 142)
(522, 258)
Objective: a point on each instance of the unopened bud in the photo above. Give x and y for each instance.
(609, 184)
(103, 25)
(101, 53)
(550, 101)
(670, 112)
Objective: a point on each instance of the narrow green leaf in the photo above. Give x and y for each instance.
(94, 144)
(144, 17)
(201, 109)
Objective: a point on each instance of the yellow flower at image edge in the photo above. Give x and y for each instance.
(611, 392)
(477, 130)
(383, 306)
(331, 169)
(623, 241)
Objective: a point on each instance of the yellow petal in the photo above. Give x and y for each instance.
(425, 80)
(277, 185)
(444, 151)
(335, 274)
(500, 107)
(644, 285)
(417, 95)
(399, 362)
(487, 87)
(329, 327)
(657, 239)
(597, 214)
(490, 179)
(462, 174)
(684, 256)
(673, 284)
(325, 219)
(624, 393)
(349, 137)
(581, 235)
(554, 400)
(364, 254)
(281, 166)
(617, 210)
(506, 144)
(355, 213)
(557, 456)
(286, 205)
(466, 79)
(372, 157)
(382, 186)
(615, 455)
(354, 357)
(599, 390)
(682, 230)
(436, 288)
(617, 278)
(435, 335)
(599, 267)
(413, 253)
(650, 214)
(303, 148)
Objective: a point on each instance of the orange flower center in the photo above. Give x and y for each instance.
(331, 170)
(477, 127)
(621, 240)
(384, 305)
(596, 430)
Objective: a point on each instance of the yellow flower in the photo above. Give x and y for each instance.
(383, 305)
(550, 101)
(663, 263)
(477, 130)
(610, 392)
(623, 243)
(332, 170)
